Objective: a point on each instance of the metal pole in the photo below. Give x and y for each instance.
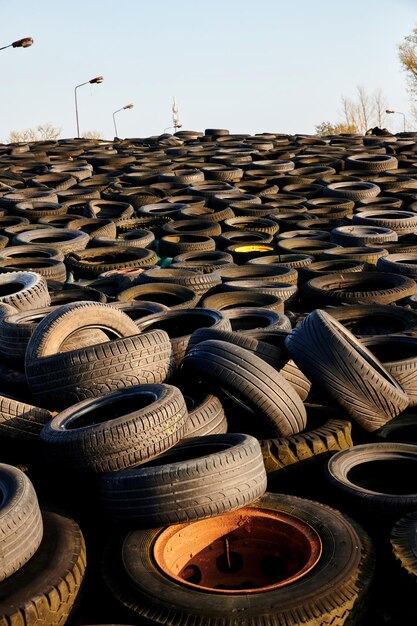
(76, 107)
(114, 122)
(76, 113)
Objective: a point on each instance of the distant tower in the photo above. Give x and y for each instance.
(175, 116)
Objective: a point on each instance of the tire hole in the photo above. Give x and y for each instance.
(229, 564)
(191, 574)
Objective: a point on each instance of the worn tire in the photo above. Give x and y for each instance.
(326, 595)
(175, 297)
(219, 473)
(358, 288)
(146, 420)
(21, 527)
(21, 421)
(205, 413)
(92, 262)
(250, 379)
(24, 290)
(335, 434)
(180, 325)
(336, 361)
(403, 543)
(398, 355)
(45, 589)
(375, 480)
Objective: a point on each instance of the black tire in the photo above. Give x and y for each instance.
(70, 292)
(321, 268)
(50, 269)
(269, 353)
(243, 238)
(138, 238)
(403, 537)
(175, 297)
(45, 589)
(352, 190)
(16, 330)
(333, 435)
(22, 252)
(245, 320)
(139, 308)
(404, 264)
(108, 209)
(375, 480)
(21, 526)
(358, 288)
(198, 478)
(402, 429)
(332, 358)
(21, 421)
(322, 235)
(202, 261)
(253, 224)
(173, 245)
(242, 298)
(282, 291)
(325, 595)
(205, 412)
(361, 235)
(372, 162)
(192, 227)
(63, 379)
(402, 222)
(295, 261)
(94, 227)
(305, 245)
(285, 365)
(92, 262)
(144, 421)
(251, 380)
(63, 239)
(270, 273)
(180, 325)
(398, 355)
(204, 213)
(367, 254)
(364, 320)
(56, 328)
(199, 282)
(24, 290)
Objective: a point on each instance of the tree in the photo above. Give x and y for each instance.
(408, 59)
(42, 132)
(327, 128)
(359, 114)
(381, 104)
(92, 134)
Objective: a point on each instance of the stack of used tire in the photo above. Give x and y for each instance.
(208, 368)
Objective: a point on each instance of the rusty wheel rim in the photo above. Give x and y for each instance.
(246, 551)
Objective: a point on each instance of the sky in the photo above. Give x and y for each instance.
(248, 65)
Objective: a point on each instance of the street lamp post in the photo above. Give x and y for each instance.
(391, 111)
(26, 42)
(174, 127)
(94, 81)
(127, 106)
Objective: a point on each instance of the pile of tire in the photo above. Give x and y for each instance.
(208, 368)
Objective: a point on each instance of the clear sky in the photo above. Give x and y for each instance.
(245, 65)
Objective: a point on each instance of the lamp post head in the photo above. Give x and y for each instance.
(97, 80)
(389, 111)
(129, 106)
(26, 42)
